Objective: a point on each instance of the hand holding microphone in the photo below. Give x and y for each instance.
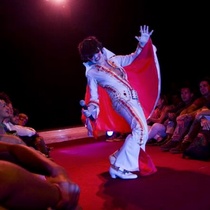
(85, 110)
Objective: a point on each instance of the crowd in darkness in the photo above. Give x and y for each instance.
(181, 121)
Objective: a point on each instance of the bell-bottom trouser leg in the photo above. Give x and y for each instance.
(127, 157)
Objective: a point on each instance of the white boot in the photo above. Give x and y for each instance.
(121, 173)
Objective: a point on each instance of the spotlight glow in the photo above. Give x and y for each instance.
(60, 5)
(109, 133)
(57, 2)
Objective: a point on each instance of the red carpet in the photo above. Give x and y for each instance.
(179, 184)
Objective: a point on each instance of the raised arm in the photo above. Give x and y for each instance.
(144, 35)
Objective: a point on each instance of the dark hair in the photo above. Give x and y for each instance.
(206, 79)
(15, 111)
(5, 97)
(88, 47)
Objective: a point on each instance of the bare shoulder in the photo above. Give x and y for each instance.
(11, 139)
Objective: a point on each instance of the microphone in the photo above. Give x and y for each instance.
(84, 106)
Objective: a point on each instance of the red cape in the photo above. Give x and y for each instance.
(144, 77)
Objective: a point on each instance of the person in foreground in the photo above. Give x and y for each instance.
(109, 73)
(28, 180)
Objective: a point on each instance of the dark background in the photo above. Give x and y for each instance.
(40, 66)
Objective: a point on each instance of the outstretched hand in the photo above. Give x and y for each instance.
(145, 35)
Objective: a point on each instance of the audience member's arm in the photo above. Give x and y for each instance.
(189, 109)
(11, 139)
(57, 181)
(23, 130)
(32, 160)
(162, 117)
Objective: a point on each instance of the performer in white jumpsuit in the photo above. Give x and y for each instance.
(109, 74)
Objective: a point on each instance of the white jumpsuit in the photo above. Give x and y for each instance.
(113, 78)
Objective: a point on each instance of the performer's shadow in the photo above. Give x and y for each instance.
(167, 189)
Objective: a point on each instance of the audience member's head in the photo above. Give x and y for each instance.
(187, 94)
(4, 106)
(5, 97)
(22, 119)
(204, 86)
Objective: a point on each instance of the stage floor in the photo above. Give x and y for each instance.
(66, 134)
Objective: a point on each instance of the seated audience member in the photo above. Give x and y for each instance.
(39, 140)
(27, 134)
(196, 145)
(22, 119)
(200, 126)
(4, 113)
(162, 132)
(155, 121)
(160, 113)
(186, 117)
(15, 117)
(21, 188)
